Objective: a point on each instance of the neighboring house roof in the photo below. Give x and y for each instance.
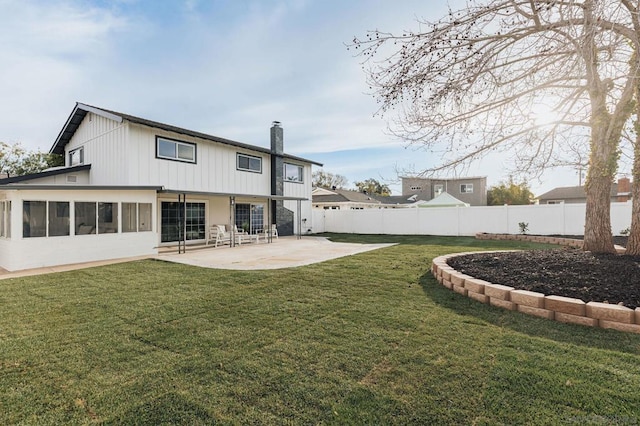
(323, 195)
(81, 110)
(444, 200)
(571, 193)
(46, 173)
(395, 199)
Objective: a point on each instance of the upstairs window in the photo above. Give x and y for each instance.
(293, 173)
(466, 188)
(170, 149)
(248, 163)
(76, 157)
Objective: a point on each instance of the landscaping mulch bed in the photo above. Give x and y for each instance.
(562, 272)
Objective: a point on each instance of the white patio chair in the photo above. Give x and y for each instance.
(271, 230)
(219, 234)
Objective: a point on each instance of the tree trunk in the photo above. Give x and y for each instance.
(633, 245)
(597, 230)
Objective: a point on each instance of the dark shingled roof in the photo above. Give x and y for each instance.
(46, 173)
(344, 195)
(81, 110)
(571, 193)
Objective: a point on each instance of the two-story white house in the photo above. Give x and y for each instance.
(131, 185)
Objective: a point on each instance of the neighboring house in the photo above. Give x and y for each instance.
(131, 185)
(620, 192)
(443, 200)
(342, 199)
(470, 190)
(345, 199)
(396, 201)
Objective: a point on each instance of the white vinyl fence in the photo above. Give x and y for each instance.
(554, 219)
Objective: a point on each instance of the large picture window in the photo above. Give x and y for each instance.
(293, 173)
(58, 218)
(85, 215)
(136, 217)
(5, 219)
(248, 163)
(107, 218)
(34, 222)
(170, 149)
(172, 216)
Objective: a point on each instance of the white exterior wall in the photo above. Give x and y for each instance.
(553, 219)
(25, 253)
(125, 154)
(81, 178)
(214, 170)
(105, 148)
(301, 190)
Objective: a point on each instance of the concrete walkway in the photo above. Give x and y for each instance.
(285, 252)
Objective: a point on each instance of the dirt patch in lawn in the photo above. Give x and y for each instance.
(562, 272)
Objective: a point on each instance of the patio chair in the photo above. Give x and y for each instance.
(219, 234)
(271, 230)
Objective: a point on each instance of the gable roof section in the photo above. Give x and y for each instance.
(444, 200)
(394, 199)
(342, 196)
(46, 173)
(571, 193)
(81, 110)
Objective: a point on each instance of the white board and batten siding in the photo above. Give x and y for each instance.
(104, 142)
(300, 190)
(214, 169)
(25, 253)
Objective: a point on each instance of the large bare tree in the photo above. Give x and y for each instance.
(549, 82)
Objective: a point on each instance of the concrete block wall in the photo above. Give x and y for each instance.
(558, 308)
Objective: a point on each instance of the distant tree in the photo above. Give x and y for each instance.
(17, 161)
(372, 186)
(509, 193)
(322, 179)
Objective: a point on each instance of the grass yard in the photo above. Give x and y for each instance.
(366, 339)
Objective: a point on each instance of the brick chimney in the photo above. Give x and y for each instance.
(281, 216)
(277, 161)
(624, 189)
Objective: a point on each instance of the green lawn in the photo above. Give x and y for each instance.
(366, 339)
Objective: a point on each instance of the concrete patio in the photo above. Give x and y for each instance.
(284, 252)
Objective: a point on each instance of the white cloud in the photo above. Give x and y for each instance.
(48, 51)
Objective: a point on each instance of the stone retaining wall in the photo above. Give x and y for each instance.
(558, 308)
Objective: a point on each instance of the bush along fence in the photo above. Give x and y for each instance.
(558, 308)
(569, 242)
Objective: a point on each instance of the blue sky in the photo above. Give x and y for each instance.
(224, 67)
